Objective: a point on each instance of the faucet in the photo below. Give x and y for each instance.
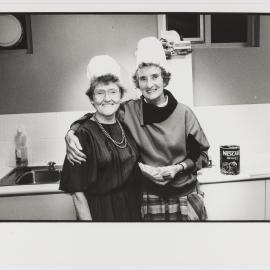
(51, 166)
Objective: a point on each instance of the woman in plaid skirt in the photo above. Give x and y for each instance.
(172, 144)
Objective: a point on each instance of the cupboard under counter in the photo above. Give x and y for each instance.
(227, 198)
(36, 205)
(242, 197)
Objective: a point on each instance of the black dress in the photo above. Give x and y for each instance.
(110, 178)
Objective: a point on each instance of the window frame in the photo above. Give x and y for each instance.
(162, 26)
(204, 41)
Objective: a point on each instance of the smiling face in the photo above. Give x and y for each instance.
(106, 99)
(151, 84)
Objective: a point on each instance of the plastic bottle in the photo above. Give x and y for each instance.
(21, 149)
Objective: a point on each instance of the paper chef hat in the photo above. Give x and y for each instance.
(150, 50)
(101, 65)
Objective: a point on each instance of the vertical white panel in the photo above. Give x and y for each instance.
(267, 199)
(181, 84)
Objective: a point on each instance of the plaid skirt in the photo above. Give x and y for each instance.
(173, 208)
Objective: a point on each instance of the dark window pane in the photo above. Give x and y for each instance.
(228, 28)
(186, 24)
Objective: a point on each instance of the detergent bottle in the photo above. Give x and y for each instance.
(21, 149)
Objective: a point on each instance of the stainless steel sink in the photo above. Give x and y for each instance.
(38, 175)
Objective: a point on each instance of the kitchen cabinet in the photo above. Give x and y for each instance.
(58, 206)
(243, 200)
(267, 201)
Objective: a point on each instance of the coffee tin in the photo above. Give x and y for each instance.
(230, 159)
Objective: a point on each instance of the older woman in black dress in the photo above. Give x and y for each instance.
(106, 186)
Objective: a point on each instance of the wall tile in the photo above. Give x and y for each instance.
(65, 119)
(43, 125)
(8, 126)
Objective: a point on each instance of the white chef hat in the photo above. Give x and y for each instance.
(101, 65)
(150, 50)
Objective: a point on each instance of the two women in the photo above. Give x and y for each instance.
(106, 186)
(170, 140)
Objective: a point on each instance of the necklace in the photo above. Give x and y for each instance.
(123, 143)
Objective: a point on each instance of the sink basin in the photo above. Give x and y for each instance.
(38, 175)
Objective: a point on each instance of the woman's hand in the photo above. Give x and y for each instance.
(73, 148)
(169, 172)
(154, 174)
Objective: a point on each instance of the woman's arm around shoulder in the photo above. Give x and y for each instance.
(74, 150)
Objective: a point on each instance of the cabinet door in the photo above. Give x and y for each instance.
(267, 199)
(236, 200)
(37, 207)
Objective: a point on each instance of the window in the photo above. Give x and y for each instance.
(214, 30)
(190, 26)
(227, 28)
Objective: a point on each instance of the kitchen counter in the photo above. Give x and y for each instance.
(29, 189)
(213, 175)
(205, 176)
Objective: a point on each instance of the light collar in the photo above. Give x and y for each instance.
(162, 104)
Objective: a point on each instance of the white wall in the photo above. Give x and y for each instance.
(50, 79)
(53, 78)
(229, 76)
(245, 125)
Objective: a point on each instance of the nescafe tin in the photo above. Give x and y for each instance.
(230, 159)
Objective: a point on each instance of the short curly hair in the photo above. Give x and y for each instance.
(104, 79)
(165, 74)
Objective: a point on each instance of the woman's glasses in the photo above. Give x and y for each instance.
(111, 93)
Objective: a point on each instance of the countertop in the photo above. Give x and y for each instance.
(205, 176)
(213, 175)
(29, 189)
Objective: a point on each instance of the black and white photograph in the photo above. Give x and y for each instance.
(135, 118)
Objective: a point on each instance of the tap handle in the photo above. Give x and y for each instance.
(51, 165)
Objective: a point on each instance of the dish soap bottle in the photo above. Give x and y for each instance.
(21, 149)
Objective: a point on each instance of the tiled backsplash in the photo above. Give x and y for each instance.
(245, 125)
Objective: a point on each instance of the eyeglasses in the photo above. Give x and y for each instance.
(112, 93)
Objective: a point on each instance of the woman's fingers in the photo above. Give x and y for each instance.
(163, 182)
(74, 155)
(77, 143)
(166, 172)
(69, 159)
(154, 173)
(75, 147)
(75, 158)
(169, 171)
(158, 177)
(167, 178)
